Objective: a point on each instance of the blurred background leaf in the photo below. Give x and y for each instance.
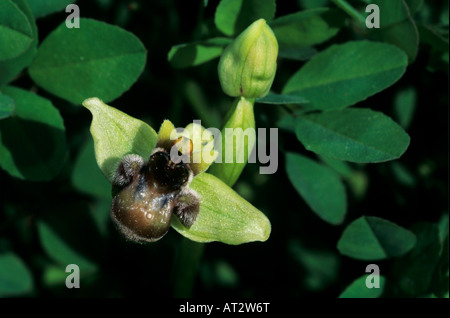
(6, 106)
(15, 277)
(358, 289)
(233, 16)
(33, 144)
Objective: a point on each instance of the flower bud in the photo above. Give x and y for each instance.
(238, 141)
(247, 66)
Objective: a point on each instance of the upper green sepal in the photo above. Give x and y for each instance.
(247, 66)
(116, 135)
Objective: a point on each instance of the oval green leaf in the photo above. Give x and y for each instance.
(98, 59)
(233, 16)
(10, 68)
(359, 289)
(357, 135)
(15, 31)
(373, 238)
(307, 28)
(15, 277)
(319, 186)
(33, 142)
(345, 74)
(116, 135)
(6, 106)
(224, 215)
(196, 53)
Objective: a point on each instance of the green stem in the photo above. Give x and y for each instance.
(186, 267)
(345, 6)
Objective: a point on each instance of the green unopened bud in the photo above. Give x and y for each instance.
(238, 140)
(247, 66)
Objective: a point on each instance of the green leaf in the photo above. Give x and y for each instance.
(354, 134)
(33, 144)
(440, 283)
(69, 235)
(278, 99)
(405, 104)
(402, 174)
(233, 16)
(54, 275)
(307, 28)
(396, 27)
(6, 106)
(321, 266)
(415, 270)
(434, 37)
(98, 59)
(15, 277)
(238, 140)
(358, 289)
(10, 68)
(373, 238)
(86, 176)
(16, 34)
(345, 74)
(319, 186)
(116, 135)
(41, 8)
(224, 216)
(196, 53)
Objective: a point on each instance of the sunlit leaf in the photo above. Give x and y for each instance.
(354, 134)
(98, 59)
(345, 74)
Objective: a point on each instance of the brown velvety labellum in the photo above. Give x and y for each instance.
(141, 214)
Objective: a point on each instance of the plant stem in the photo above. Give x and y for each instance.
(345, 6)
(186, 267)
